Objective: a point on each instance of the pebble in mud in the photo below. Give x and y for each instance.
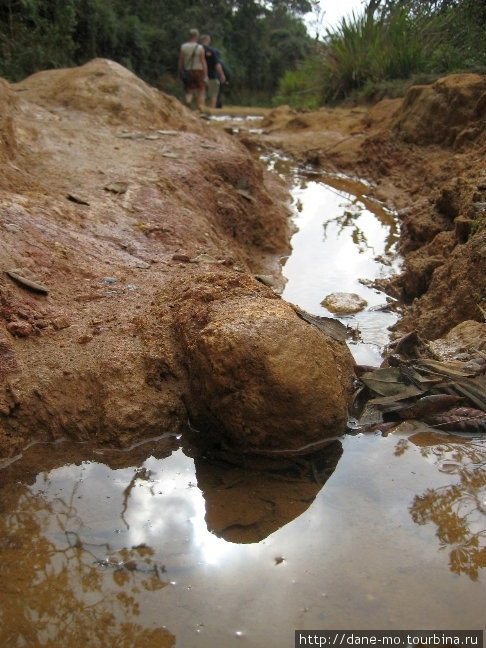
(20, 328)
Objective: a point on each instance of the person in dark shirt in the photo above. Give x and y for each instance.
(215, 70)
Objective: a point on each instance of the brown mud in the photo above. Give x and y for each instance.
(116, 202)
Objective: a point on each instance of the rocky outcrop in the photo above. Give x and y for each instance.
(108, 91)
(261, 379)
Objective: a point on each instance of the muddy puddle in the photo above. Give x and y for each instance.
(165, 550)
(344, 241)
(157, 546)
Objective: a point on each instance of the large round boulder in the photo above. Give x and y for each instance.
(261, 378)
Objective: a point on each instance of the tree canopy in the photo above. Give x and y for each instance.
(265, 43)
(259, 39)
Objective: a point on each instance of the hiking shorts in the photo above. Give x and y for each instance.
(196, 80)
(213, 88)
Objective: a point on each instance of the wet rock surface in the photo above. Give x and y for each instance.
(261, 378)
(343, 303)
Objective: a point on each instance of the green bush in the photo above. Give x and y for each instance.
(300, 88)
(365, 50)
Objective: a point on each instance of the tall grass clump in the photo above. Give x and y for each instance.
(380, 52)
(366, 49)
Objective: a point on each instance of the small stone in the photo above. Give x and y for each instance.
(132, 135)
(77, 199)
(246, 195)
(108, 281)
(344, 303)
(20, 328)
(84, 339)
(181, 257)
(12, 227)
(60, 322)
(117, 187)
(267, 280)
(142, 265)
(41, 323)
(205, 258)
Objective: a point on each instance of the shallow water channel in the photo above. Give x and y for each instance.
(344, 241)
(152, 547)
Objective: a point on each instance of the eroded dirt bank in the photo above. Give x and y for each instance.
(132, 231)
(121, 208)
(425, 156)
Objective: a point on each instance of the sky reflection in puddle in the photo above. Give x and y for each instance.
(344, 241)
(126, 552)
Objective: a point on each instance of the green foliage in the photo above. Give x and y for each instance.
(365, 50)
(35, 34)
(391, 42)
(95, 31)
(300, 88)
(259, 40)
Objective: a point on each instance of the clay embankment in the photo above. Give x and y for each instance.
(131, 231)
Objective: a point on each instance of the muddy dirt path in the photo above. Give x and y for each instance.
(121, 212)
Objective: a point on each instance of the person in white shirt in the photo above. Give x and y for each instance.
(193, 69)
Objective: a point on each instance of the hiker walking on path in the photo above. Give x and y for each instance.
(215, 70)
(193, 69)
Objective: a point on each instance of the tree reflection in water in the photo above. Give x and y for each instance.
(86, 548)
(458, 510)
(69, 596)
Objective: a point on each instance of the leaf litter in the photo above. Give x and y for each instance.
(448, 396)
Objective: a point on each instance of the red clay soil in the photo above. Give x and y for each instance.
(113, 194)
